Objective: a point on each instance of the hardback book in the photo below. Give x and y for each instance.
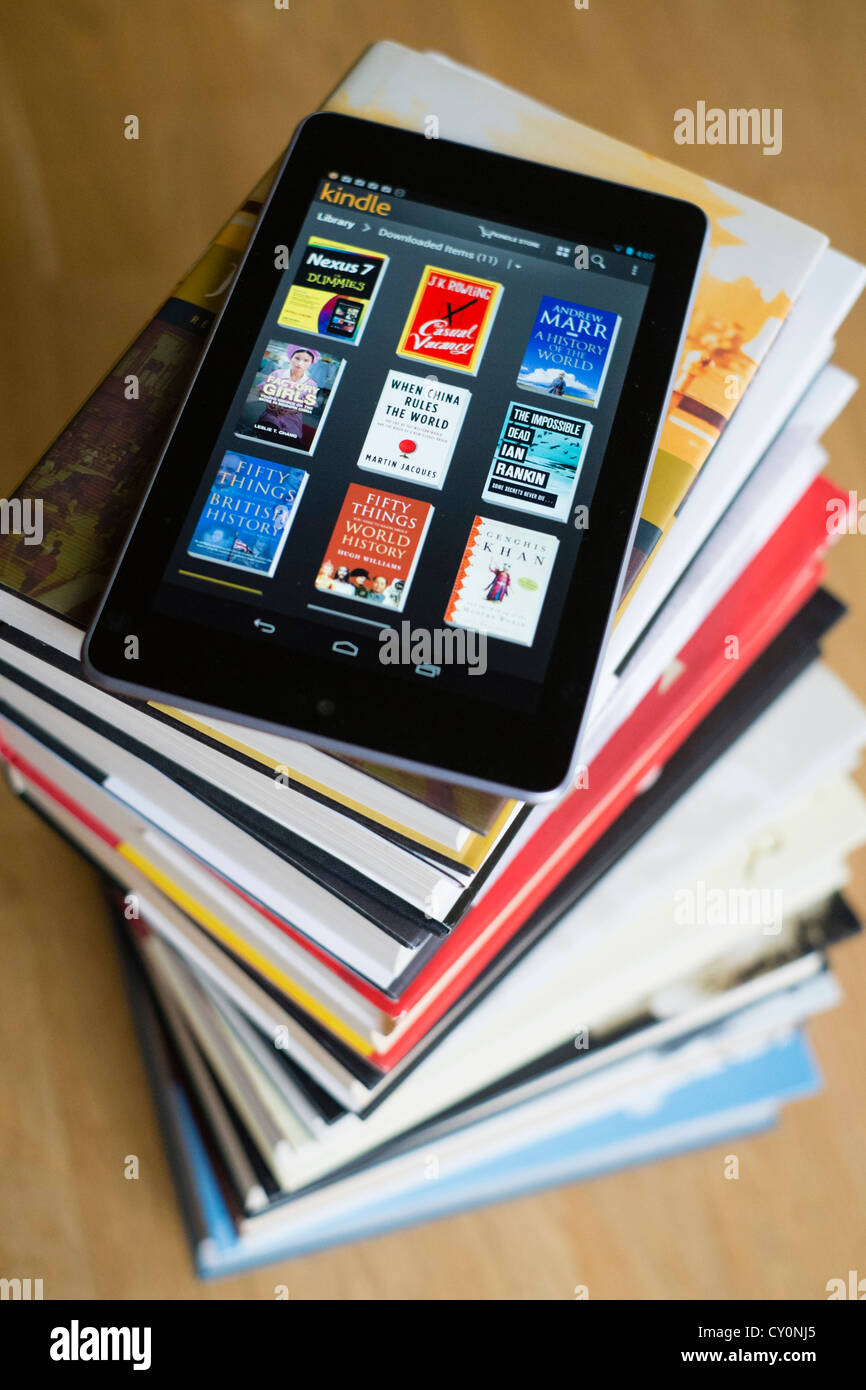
(612, 978)
(596, 1136)
(360, 1078)
(758, 509)
(791, 364)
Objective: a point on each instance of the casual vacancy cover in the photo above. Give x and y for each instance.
(290, 396)
(502, 580)
(414, 428)
(450, 320)
(537, 462)
(374, 547)
(91, 478)
(248, 513)
(333, 290)
(569, 351)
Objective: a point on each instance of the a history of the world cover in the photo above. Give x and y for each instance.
(569, 351)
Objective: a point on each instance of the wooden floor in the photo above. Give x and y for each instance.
(93, 229)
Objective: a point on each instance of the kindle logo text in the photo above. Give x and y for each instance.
(77, 1343)
(359, 202)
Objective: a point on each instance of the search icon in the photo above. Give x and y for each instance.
(597, 259)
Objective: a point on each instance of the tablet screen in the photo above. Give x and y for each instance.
(406, 469)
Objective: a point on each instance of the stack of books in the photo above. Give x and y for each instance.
(367, 998)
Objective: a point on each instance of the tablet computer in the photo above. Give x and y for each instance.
(394, 513)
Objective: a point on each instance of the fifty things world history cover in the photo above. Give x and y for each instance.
(374, 547)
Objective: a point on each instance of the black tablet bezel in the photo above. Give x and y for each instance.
(293, 691)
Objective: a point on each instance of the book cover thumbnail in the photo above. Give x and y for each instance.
(290, 396)
(374, 547)
(450, 320)
(569, 351)
(537, 461)
(333, 290)
(502, 580)
(248, 514)
(414, 428)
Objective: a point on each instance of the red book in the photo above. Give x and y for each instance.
(776, 584)
(374, 548)
(759, 604)
(450, 320)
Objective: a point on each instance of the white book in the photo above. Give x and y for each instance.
(761, 506)
(810, 734)
(640, 1080)
(799, 351)
(415, 425)
(777, 482)
(309, 907)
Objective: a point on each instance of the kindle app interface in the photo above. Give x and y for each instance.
(415, 442)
